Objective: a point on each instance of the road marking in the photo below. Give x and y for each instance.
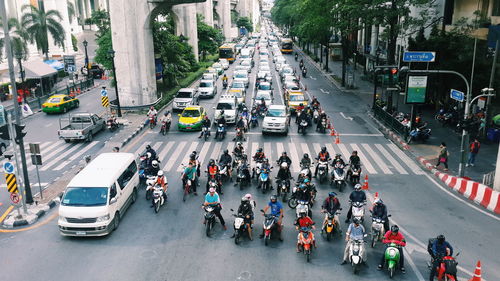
(377, 159)
(157, 145)
(51, 217)
(173, 158)
(268, 150)
(317, 149)
(32, 167)
(330, 149)
(305, 149)
(295, 157)
(391, 159)
(345, 117)
(203, 153)
(165, 150)
(409, 162)
(61, 156)
(48, 125)
(216, 151)
(6, 213)
(279, 149)
(364, 160)
(192, 148)
(313, 78)
(324, 92)
(141, 148)
(344, 150)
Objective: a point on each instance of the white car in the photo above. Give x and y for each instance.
(230, 110)
(247, 64)
(266, 75)
(224, 63)
(207, 89)
(241, 76)
(185, 97)
(266, 95)
(276, 120)
(209, 76)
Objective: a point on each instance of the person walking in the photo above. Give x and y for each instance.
(443, 156)
(473, 151)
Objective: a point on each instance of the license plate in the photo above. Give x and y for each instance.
(189, 128)
(81, 233)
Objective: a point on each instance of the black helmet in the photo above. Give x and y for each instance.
(226, 151)
(273, 197)
(306, 155)
(211, 162)
(192, 156)
(167, 112)
(284, 152)
(441, 238)
(332, 194)
(148, 147)
(337, 155)
(355, 221)
(355, 152)
(260, 149)
(394, 229)
(303, 213)
(323, 149)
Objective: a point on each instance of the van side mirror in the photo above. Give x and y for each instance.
(112, 193)
(112, 201)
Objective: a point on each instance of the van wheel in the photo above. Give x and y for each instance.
(89, 137)
(134, 195)
(116, 221)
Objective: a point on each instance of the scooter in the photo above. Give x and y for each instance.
(419, 134)
(150, 186)
(283, 189)
(209, 219)
(239, 136)
(213, 183)
(240, 227)
(356, 252)
(302, 207)
(338, 176)
(243, 176)
(253, 120)
(322, 171)
(331, 225)
(152, 121)
(158, 197)
(256, 170)
(206, 132)
(315, 116)
(224, 84)
(322, 129)
(302, 127)
(354, 174)
(224, 171)
(306, 238)
(112, 124)
(221, 132)
(377, 230)
(358, 211)
(305, 172)
(296, 56)
(392, 258)
(165, 127)
(270, 225)
(304, 72)
(447, 270)
(264, 180)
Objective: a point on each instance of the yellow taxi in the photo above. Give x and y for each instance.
(294, 99)
(60, 103)
(239, 93)
(191, 118)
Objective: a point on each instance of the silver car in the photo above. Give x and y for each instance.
(184, 98)
(207, 89)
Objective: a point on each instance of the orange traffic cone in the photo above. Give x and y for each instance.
(332, 132)
(376, 196)
(365, 185)
(477, 272)
(71, 93)
(78, 90)
(337, 139)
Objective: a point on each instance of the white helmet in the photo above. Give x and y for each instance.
(357, 186)
(154, 164)
(248, 196)
(148, 155)
(160, 173)
(284, 165)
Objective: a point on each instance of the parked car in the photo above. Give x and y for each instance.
(80, 126)
(191, 118)
(60, 104)
(185, 97)
(276, 120)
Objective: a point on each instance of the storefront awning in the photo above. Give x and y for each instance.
(37, 70)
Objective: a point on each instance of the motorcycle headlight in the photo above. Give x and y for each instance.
(103, 218)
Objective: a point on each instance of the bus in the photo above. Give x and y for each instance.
(286, 46)
(227, 51)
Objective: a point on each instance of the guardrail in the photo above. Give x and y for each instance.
(390, 121)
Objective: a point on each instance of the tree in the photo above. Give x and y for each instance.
(104, 44)
(19, 38)
(71, 11)
(101, 19)
(245, 22)
(209, 38)
(39, 23)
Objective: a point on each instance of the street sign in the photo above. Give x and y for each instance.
(419, 56)
(11, 183)
(14, 197)
(36, 159)
(105, 101)
(69, 61)
(104, 93)
(71, 68)
(416, 89)
(457, 95)
(8, 167)
(35, 148)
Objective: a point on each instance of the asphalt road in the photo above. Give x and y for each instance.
(172, 245)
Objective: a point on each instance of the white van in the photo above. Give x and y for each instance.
(97, 197)
(245, 53)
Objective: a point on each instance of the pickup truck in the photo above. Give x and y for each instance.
(80, 126)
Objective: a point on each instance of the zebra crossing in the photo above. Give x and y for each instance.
(380, 158)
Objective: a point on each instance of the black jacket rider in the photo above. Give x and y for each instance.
(285, 159)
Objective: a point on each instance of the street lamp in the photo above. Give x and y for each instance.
(111, 54)
(375, 70)
(85, 44)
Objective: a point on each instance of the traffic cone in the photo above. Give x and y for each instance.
(78, 90)
(337, 139)
(365, 185)
(376, 196)
(332, 132)
(477, 272)
(71, 93)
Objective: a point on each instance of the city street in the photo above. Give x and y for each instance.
(172, 244)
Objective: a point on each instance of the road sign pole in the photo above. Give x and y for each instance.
(39, 184)
(14, 148)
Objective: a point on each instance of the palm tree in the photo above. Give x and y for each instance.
(19, 38)
(71, 11)
(39, 23)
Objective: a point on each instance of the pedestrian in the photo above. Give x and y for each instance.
(473, 151)
(443, 156)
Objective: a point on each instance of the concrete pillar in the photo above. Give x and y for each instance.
(134, 53)
(62, 8)
(207, 10)
(224, 11)
(243, 8)
(255, 13)
(496, 183)
(88, 9)
(374, 41)
(186, 25)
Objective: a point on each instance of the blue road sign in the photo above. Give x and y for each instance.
(8, 167)
(457, 95)
(104, 93)
(419, 56)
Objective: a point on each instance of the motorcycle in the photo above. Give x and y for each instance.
(322, 128)
(242, 177)
(296, 57)
(224, 171)
(354, 174)
(206, 132)
(419, 134)
(264, 182)
(378, 230)
(356, 252)
(306, 238)
(358, 211)
(331, 225)
(256, 169)
(152, 121)
(304, 72)
(240, 227)
(305, 172)
(447, 270)
(302, 207)
(112, 124)
(392, 257)
(239, 136)
(224, 84)
(158, 197)
(303, 126)
(338, 176)
(315, 116)
(253, 120)
(212, 182)
(165, 127)
(209, 219)
(283, 188)
(322, 171)
(270, 225)
(221, 132)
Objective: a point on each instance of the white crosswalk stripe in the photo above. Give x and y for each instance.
(172, 160)
(192, 148)
(329, 148)
(305, 149)
(345, 152)
(280, 149)
(50, 155)
(61, 156)
(377, 159)
(142, 148)
(364, 161)
(268, 152)
(203, 153)
(76, 155)
(216, 152)
(411, 164)
(391, 159)
(294, 156)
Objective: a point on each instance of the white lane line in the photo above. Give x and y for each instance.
(344, 151)
(391, 159)
(377, 159)
(364, 160)
(409, 162)
(345, 117)
(294, 157)
(324, 92)
(216, 151)
(305, 149)
(165, 150)
(142, 148)
(157, 145)
(47, 157)
(268, 152)
(203, 153)
(191, 148)
(61, 156)
(173, 158)
(329, 148)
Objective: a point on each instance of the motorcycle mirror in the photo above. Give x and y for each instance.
(365, 235)
(262, 210)
(387, 215)
(179, 115)
(231, 210)
(457, 254)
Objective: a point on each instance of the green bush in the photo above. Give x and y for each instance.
(74, 42)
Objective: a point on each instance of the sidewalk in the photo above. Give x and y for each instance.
(426, 153)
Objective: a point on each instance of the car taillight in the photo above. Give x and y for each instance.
(57, 105)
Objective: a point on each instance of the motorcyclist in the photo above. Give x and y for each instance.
(161, 180)
(152, 113)
(321, 116)
(224, 78)
(152, 151)
(330, 206)
(259, 155)
(304, 71)
(284, 159)
(167, 117)
(246, 210)
(190, 173)
(338, 160)
(354, 159)
(296, 56)
(315, 103)
(356, 196)
(154, 168)
(277, 210)
(213, 199)
(227, 160)
(221, 119)
(439, 249)
(354, 232)
(304, 221)
(240, 134)
(244, 166)
(238, 151)
(323, 155)
(394, 236)
(205, 124)
(305, 161)
(262, 105)
(380, 211)
(302, 194)
(241, 124)
(311, 188)
(193, 159)
(310, 113)
(245, 113)
(212, 172)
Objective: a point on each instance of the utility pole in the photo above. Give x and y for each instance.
(112, 55)
(17, 108)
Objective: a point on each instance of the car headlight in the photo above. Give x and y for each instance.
(103, 218)
(63, 219)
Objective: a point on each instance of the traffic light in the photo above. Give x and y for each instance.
(4, 132)
(19, 132)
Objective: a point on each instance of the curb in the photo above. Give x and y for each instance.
(478, 193)
(31, 218)
(393, 136)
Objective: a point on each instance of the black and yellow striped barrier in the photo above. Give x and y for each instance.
(105, 101)
(11, 183)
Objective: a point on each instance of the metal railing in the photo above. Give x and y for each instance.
(390, 121)
(489, 179)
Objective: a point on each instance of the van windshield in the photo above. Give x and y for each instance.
(85, 196)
